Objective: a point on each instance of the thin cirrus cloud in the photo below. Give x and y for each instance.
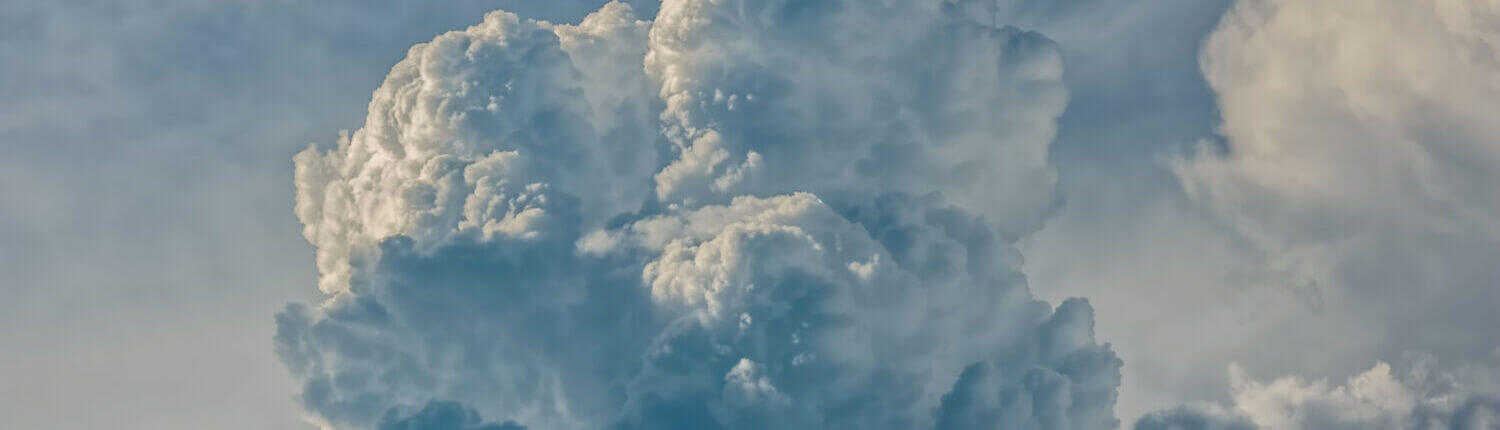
(804, 215)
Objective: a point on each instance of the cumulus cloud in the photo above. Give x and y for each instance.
(781, 214)
(1360, 146)
(1421, 397)
(442, 416)
(744, 214)
(484, 131)
(902, 96)
(1357, 148)
(1330, 217)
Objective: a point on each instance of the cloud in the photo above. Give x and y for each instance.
(1334, 137)
(1357, 149)
(1196, 416)
(772, 97)
(1356, 138)
(745, 214)
(440, 152)
(1331, 204)
(761, 296)
(442, 416)
(1421, 397)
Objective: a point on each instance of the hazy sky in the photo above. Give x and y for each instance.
(750, 214)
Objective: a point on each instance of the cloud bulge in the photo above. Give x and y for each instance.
(743, 214)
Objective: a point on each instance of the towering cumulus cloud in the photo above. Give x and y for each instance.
(745, 214)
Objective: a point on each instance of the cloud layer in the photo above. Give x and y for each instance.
(744, 214)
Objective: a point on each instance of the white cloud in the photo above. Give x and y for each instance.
(1358, 133)
(511, 237)
(1421, 397)
(770, 214)
(671, 315)
(1357, 140)
(768, 97)
(426, 166)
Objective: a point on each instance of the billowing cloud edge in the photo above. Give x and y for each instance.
(1355, 135)
(741, 215)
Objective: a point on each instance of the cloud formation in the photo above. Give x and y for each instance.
(781, 214)
(745, 214)
(910, 97)
(440, 154)
(1358, 154)
(1357, 150)
(1327, 226)
(1421, 397)
(442, 416)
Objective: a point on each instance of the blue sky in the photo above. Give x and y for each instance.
(1259, 211)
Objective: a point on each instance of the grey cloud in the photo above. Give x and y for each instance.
(1356, 173)
(760, 314)
(1422, 396)
(491, 236)
(771, 97)
(441, 416)
(1331, 204)
(846, 347)
(798, 247)
(1348, 168)
(1195, 416)
(482, 131)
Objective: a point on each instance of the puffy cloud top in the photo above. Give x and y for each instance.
(1359, 156)
(1351, 115)
(1360, 148)
(746, 214)
(485, 131)
(767, 97)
